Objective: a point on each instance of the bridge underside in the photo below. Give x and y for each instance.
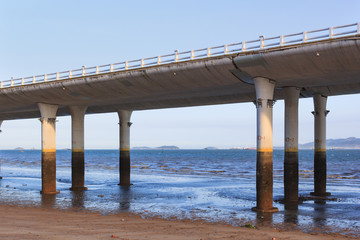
(328, 68)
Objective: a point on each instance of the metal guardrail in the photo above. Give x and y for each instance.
(245, 46)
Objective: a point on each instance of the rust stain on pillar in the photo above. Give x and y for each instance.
(78, 171)
(291, 177)
(264, 182)
(320, 174)
(48, 172)
(124, 167)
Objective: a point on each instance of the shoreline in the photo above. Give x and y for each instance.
(50, 223)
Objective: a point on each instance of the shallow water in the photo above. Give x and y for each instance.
(210, 185)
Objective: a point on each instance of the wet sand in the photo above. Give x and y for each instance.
(45, 223)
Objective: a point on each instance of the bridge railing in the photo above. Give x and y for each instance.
(240, 47)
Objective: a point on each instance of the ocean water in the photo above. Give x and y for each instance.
(208, 185)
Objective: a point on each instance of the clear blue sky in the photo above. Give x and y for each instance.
(48, 36)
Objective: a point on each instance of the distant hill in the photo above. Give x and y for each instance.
(343, 143)
(158, 148)
(168, 148)
(210, 148)
(141, 148)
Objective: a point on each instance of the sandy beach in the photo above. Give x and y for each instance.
(42, 223)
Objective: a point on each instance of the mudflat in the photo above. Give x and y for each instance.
(49, 223)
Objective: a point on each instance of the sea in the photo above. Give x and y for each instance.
(217, 186)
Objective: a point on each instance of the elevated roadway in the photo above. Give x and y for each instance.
(328, 67)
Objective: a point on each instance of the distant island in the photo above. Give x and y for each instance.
(342, 143)
(168, 148)
(141, 148)
(210, 148)
(157, 148)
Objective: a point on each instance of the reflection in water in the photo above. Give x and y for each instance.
(291, 213)
(48, 200)
(264, 219)
(319, 213)
(124, 198)
(77, 200)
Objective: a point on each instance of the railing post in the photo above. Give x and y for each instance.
(159, 60)
(83, 70)
(261, 42)
(22, 81)
(70, 73)
(358, 28)
(12, 81)
(126, 65)
(34, 79)
(208, 52)
(282, 40)
(97, 70)
(142, 62)
(57, 76)
(111, 67)
(243, 46)
(225, 49)
(304, 37)
(176, 55)
(330, 32)
(2, 84)
(45, 77)
(192, 55)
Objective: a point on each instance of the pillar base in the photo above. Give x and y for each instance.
(271, 210)
(326, 194)
(50, 193)
(78, 188)
(0, 177)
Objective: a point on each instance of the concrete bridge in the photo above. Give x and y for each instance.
(318, 64)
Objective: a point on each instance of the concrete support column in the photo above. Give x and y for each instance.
(124, 160)
(264, 159)
(77, 143)
(291, 159)
(48, 148)
(320, 114)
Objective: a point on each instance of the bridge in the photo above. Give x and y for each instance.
(318, 64)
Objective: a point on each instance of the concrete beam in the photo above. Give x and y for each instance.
(264, 159)
(48, 148)
(124, 159)
(77, 143)
(320, 114)
(291, 155)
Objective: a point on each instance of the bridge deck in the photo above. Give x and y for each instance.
(330, 67)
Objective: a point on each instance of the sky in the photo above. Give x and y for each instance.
(48, 36)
